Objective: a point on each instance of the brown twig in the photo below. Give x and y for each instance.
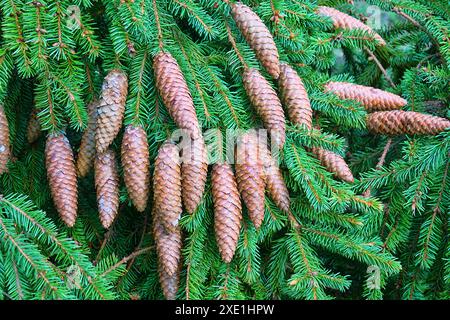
(126, 259)
(380, 163)
(233, 44)
(417, 24)
(380, 66)
(158, 25)
(131, 262)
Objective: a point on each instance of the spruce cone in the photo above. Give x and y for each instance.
(62, 177)
(33, 128)
(86, 153)
(275, 184)
(107, 187)
(371, 98)
(4, 141)
(194, 171)
(294, 96)
(167, 186)
(266, 102)
(111, 109)
(344, 21)
(258, 37)
(250, 176)
(227, 210)
(136, 165)
(168, 246)
(405, 122)
(169, 284)
(175, 93)
(334, 164)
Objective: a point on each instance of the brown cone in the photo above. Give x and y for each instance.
(86, 153)
(294, 96)
(33, 128)
(169, 284)
(62, 177)
(258, 37)
(344, 21)
(175, 93)
(167, 186)
(136, 165)
(168, 246)
(111, 109)
(405, 122)
(227, 210)
(265, 100)
(194, 171)
(371, 98)
(4, 141)
(334, 164)
(250, 176)
(107, 187)
(275, 184)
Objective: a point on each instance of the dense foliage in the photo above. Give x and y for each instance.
(393, 220)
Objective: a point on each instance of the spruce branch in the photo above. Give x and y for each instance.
(380, 66)
(401, 13)
(233, 44)
(78, 260)
(380, 163)
(158, 25)
(126, 259)
(36, 265)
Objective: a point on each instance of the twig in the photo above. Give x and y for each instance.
(130, 264)
(126, 259)
(294, 221)
(380, 66)
(158, 25)
(380, 163)
(417, 24)
(383, 155)
(233, 44)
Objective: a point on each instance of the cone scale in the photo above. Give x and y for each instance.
(267, 104)
(111, 109)
(334, 163)
(250, 177)
(136, 165)
(33, 128)
(227, 210)
(194, 170)
(294, 96)
(275, 184)
(258, 37)
(167, 186)
(371, 98)
(175, 93)
(62, 177)
(344, 21)
(86, 154)
(405, 122)
(107, 187)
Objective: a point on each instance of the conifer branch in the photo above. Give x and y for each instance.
(233, 44)
(89, 275)
(158, 25)
(126, 259)
(380, 66)
(380, 163)
(41, 273)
